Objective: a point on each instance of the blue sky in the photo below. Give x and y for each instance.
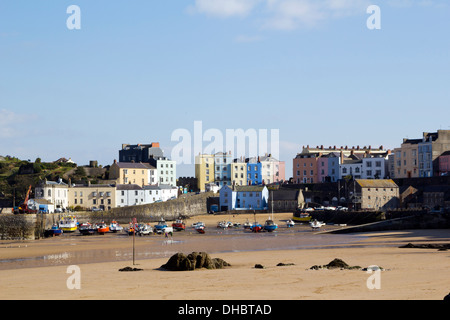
(138, 70)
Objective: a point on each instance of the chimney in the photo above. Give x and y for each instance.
(115, 161)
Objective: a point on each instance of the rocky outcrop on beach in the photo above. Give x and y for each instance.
(438, 246)
(192, 261)
(335, 264)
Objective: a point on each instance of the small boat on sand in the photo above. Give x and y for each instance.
(270, 226)
(115, 227)
(290, 223)
(87, 229)
(102, 228)
(53, 232)
(179, 225)
(200, 227)
(316, 225)
(68, 224)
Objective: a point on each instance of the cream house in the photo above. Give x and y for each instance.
(133, 173)
(93, 197)
(375, 194)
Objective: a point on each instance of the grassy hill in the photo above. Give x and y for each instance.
(17, 175)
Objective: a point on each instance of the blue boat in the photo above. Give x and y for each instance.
(53, 232)
(270, 225)
(161, 225)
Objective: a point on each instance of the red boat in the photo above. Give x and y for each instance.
(179, 225)
(102, 228)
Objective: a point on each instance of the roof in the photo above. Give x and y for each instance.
(249, 188)
(376, 183)
(128, 187)
(134, 165)
(158, 187)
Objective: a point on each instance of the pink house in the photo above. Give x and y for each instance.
(444, 163)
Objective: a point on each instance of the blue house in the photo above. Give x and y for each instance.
(254, 176)
(243, 198)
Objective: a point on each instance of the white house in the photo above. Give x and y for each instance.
(374, 168)
(255, 197)
(158, 193)
(129, 195)
(57, 193)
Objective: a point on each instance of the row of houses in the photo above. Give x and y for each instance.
(365, 194)
(427, 156)
(53, 196)
(319, 164)
(221, 169)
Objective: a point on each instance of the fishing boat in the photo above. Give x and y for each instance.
(87, 229)
(270, 226)
(224, 224)
(200, 227)
(143, 229)
(247, 225)
(68, 224)
(160, 225)
(131, 229)
(179, 225)
(114, 226)
(316, 225)
(256, 227)
(53, 232)
(302, 215)
(290, 223)
(102, 228)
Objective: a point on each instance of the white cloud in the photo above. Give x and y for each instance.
(283, 14)
(225, 8)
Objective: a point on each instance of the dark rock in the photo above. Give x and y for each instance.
(447, 298)
(337, 263)
(259, 266)
(281, 264)
(194, 260)
(130, 269)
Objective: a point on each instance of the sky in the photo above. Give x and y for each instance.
(139, 71)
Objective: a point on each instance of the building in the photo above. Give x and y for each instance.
(129, 195)
(222, 168)
(162, 192)
(140, 152)
(153, 155)
(375, 194)
(133, 173)
(243, 198)
(93, 197)
(285, 200)
(56, 193)
(310, 167)
(272, 170)
(406, 164)
(239, 172)
(444, 163)
(254, 176)
(166, 170)
(204, 170)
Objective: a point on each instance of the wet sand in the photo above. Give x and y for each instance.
(38, 269)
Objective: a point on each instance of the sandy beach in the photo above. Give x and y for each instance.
(39, 269)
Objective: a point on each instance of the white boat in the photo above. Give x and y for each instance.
(247, 224)
(290, 223)
(224, 224)
(115, 227)
(316, 225)
(68, 224)
(144, 229)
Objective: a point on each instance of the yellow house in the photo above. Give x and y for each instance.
(406, 163)
(93, 197)
(239, 172)
(133, 173)
(204, 170)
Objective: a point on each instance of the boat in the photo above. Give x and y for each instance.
(102, 228)
(200, 228)
(131, 229)
(87, 229)
(224, 224)
(247, 225)
(290, 223)
(179, 225)
(53, 232)
(256, 227)
(68, 224)
(316, 225)
(114, 226)
(270, 226)
(302, 215)
(143, 229)
(160, 225)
